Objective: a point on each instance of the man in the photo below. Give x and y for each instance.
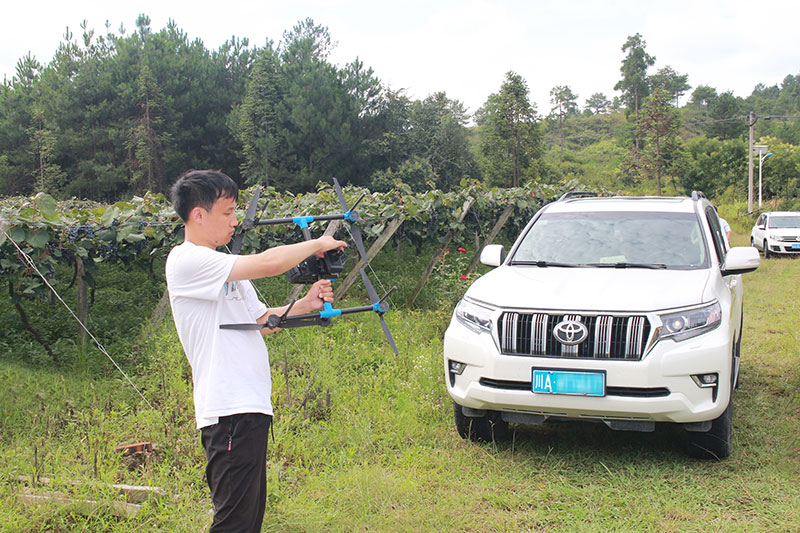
(230, 368)
(726, 228)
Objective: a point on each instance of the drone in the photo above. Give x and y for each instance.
(315, 268)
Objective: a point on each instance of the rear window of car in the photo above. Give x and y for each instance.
(674, 240)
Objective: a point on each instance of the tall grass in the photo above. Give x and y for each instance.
(364, 440)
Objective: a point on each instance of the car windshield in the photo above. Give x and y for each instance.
(620, 239)
(788, 221)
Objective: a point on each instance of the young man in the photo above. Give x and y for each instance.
(230, 368)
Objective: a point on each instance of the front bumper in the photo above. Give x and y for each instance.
(780, 247)
(658, 388)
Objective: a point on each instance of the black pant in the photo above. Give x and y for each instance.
(236, 450)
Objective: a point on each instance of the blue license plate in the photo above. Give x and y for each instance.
(796, 247)
(572, 382)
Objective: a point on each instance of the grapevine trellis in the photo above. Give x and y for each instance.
(81, 234)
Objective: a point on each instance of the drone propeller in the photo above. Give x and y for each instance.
(247, 223)
(352, 216)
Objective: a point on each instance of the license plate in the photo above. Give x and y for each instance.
(571, 382)
(796, 246)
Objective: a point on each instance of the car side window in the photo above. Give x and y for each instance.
(720, 246)
(761, 220)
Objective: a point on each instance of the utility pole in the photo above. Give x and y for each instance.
(751, 123)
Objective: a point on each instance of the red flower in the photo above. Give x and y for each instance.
(463, 251)
(463, 276)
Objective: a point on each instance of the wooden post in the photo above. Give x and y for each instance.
(83, 301)
(371, 253)
(492, 235)
(448, 238)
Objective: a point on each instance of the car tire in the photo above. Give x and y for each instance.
(766, 250)
(716, 442)
(487, 428)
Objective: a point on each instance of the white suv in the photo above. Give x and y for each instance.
(777, 232)
(625, 310)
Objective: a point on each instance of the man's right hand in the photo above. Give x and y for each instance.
(276, 261)
(326, 242)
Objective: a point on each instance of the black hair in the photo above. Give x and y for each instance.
(201, 188)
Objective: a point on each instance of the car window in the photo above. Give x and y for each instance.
(720, 243)
(784, 221)
(590, 238)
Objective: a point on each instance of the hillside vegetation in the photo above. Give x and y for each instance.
(115, 114)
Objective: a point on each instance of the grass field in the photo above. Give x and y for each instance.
(364, 440)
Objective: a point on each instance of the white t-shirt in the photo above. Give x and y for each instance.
(230, 368)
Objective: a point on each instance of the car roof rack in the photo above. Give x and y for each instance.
(577, 194)
(696, 195)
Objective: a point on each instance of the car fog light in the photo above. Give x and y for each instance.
(456, 367)
(705, 380)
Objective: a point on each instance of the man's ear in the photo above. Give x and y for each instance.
(197, 214)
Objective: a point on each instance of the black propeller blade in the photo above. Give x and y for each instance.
(359, 241)
(247, 223)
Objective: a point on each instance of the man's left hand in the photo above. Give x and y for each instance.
(320, 292)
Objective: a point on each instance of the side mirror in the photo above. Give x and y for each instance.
(762, 226)
(493, 255)
(740, 260)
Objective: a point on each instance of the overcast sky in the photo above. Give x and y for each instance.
(464, 47)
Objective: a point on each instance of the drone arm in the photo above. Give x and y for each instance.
(277, 260)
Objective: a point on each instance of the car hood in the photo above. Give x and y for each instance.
(783, 232)
(591, 289)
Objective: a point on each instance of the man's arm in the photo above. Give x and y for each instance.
(276, 261)
(320, 292)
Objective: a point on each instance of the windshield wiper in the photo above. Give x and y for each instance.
(545, 264)
(622, 264)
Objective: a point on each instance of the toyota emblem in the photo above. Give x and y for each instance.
(570, 332)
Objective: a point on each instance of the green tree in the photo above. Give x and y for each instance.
(780, 172)
(257, 127)
(564, 104)
(597, 104)
(713, 166)
(415, 172)
(704, 96)
(147, 141)
(667, 79)
(390, 144)
(727, 117)
(439, 134)
(658, 127)
(16, 108)
(316, 111)
(46, 174)
(510, 138)
(634, 84)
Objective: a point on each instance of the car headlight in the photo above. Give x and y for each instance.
(475, 317)
(690, 323)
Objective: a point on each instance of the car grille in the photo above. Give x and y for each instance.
(610, 337)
